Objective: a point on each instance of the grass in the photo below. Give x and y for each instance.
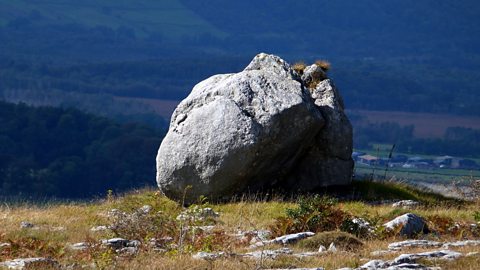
(50, 240)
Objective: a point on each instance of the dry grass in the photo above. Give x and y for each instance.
(323, 64)
(299, 67)
(48, 239)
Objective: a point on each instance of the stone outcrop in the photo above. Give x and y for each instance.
(258, 129)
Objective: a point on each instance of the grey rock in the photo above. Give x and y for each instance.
(5, 245)
(322, 248)
(31, 263)
(253, 236)
(374, 264)
(269, 254)
(79, 246)
(409, 223)
(145, 209)
(474, 253)
(26, 225)
(328, 161)
(462, 243)
(406, 204)
(197, 213)
(313, 73)
(292, 238)
(116, 243)
(305, 254)
(229, 135)
(413, 243)
(437, 254)
(332, 247)
(209, 256)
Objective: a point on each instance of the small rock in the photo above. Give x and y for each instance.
(438, 254)
(406, 204)
(413, 243)
(270, 254)
(410, 224)
(116, 243)
(145, 209)
(363, 227)
(99, 228)
(26, 225)
(292, 238)
(470, 254)
(332, 247)
(197, 213)
(5, 245)
(79, 246)
(322, 248)
(31, 263)
(374, 264)
(462, 243)
(209, 256)
(305, 254)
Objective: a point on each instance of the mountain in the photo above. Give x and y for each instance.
(401, 55)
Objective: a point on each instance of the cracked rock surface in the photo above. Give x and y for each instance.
(257, 129)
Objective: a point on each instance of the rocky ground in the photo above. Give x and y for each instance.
(145, 230)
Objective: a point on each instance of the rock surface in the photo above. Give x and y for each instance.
(257, 129)
(409, 224)
(31, 263)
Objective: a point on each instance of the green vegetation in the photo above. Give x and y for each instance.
(313, 213)
(70, 154)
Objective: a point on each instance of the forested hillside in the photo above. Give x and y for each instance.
(387, 55)
(67, 153)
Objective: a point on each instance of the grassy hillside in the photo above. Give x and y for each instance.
(57, 226)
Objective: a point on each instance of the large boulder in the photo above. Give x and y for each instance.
(254, 130)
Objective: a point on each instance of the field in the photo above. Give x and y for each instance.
(427, 125)
(58, 225)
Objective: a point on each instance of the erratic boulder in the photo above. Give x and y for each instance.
(258, 129)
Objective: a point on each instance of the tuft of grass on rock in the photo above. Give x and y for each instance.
(323, 64)
(299, 67)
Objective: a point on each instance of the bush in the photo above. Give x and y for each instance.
(314, 213)
(342, 240)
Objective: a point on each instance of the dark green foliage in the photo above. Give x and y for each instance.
(476, 216)
(313, 213)
(67, 153)
(342, 241)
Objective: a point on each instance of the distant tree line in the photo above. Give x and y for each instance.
(457, 141)
(66, 153)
